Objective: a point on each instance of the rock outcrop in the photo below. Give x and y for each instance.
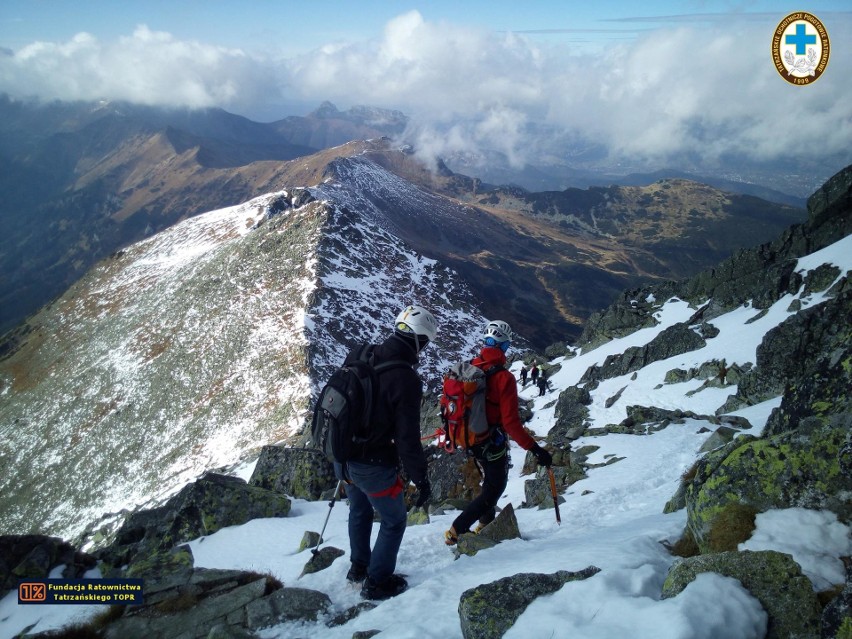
(201, 508)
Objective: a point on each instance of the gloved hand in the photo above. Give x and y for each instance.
(541, 455)
(424, 491)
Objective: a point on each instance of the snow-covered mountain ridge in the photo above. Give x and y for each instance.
(192, 349)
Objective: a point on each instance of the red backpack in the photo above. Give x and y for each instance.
(463, 407)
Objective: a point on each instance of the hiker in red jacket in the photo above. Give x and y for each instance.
(492, 456)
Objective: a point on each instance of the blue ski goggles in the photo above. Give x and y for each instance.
(503, 346)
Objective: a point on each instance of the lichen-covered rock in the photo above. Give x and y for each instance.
(773, 578)
(783, 471)
(309, 540)
(200, 508)
(489, 610)
(162, 570)
(303, 473)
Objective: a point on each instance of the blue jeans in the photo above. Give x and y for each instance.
(374, 488)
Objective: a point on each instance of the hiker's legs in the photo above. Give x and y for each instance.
(382, 489)
(360, 525)
(495, 477)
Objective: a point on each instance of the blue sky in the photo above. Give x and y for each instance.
(650, 82)
(298, 27)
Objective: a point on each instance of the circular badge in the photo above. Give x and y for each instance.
(800, 48)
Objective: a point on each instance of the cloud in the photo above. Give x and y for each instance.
(148, 67)
(700, 88)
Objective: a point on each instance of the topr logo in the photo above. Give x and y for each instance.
(800, 48)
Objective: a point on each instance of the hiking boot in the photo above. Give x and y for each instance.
(479, 528)
(385, 589)
(357, 573)
(450, 537)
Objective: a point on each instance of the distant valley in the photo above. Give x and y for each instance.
(81, 181)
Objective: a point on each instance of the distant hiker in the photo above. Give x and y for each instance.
(372, 481)
(723, 372)
(534, 374)
(523, 375)
(492, 456)
(542, 384)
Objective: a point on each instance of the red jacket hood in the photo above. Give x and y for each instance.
(490, 356)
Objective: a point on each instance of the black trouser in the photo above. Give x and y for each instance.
(495, 477)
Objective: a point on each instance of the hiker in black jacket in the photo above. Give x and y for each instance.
(542, 384)
(373, 483)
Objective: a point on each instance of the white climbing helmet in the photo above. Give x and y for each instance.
(416, 321)
(498, 331)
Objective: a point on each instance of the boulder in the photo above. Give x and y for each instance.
(720, 437)
(303, 473)
(286, 604)
(489, 610)
(773, 578)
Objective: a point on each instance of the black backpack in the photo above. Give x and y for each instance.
(341, 420)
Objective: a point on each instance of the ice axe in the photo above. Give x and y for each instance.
(314, 550)
(553, 492)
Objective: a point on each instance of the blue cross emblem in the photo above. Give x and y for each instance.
(800, 39)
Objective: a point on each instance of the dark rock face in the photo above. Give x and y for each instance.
(489, 610)
(817, 390)
(34, 556)
(808, 342)
(674, 340)
(571, 415)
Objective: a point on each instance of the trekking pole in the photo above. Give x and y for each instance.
(330, 506)
(553, 492)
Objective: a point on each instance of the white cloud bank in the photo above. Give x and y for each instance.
(708, 90)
